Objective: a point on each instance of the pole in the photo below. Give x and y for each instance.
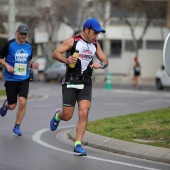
(106, 47)
(108, 81)
(11, 19)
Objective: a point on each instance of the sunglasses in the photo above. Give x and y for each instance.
(25, 34)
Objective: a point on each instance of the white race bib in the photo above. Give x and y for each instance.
(20, 69)
(76, 86)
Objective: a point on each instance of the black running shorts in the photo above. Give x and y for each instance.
(71, 95)
(15, 89)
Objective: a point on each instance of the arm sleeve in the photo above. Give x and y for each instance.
(4, 51)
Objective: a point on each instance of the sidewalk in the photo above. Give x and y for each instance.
(123, 147)
(122, 80)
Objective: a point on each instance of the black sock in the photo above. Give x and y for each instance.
(17, 125)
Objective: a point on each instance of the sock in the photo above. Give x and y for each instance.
(77, 143)
(17, 125)
(56, 117)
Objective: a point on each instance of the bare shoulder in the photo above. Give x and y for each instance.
(68, 42)
(65, 45)
(98, 47)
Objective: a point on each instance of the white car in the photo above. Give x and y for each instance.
(162, 79)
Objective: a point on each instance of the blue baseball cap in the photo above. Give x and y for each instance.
(94, 24)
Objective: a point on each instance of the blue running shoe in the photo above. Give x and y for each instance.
(3, 109)
(79, 150)
(16, 131)
(54, 123)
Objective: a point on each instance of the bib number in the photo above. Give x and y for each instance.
(76, 86)
(20, 69)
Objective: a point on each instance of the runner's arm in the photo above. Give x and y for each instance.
(58, 52)
(102, 58)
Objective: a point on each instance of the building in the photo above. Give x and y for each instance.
(118, 41)
(128, 23)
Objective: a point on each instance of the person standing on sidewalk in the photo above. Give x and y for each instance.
(137, 74)
(77, 82)
(15, 56)
(42, 65)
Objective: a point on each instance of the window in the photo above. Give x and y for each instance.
(115, 50)
(130, 47)
(154, 45)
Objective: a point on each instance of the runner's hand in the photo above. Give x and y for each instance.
(10, 69)
(96, 65)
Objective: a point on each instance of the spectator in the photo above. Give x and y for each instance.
(42, 65)
(137, 73)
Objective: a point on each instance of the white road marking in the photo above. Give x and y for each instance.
(37, 138)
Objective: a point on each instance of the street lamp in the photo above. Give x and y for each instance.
(11, 19)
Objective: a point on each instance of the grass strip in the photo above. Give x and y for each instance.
(150, 127)
(2, 93)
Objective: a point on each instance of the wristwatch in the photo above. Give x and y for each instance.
(103, 65)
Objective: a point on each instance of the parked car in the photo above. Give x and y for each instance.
(162, 79)
(55, 71)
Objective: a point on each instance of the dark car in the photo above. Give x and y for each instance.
(55, 71)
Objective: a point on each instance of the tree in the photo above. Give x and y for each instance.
(48, 14)
(133, 13)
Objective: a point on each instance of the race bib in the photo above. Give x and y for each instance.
(20, 69)
(76, 86)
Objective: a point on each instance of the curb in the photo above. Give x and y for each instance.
(123, 147)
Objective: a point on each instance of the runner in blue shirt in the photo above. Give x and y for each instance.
(15, 56)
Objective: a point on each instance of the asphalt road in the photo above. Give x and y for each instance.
(41, 149)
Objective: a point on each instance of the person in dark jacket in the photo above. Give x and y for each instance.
(137, 73)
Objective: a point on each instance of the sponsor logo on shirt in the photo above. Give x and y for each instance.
(21, 55)
(88, 55)
(86, 50)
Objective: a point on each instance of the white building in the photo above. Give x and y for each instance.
(119, 41)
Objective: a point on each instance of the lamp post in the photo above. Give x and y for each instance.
(106, 46)
(11, 19)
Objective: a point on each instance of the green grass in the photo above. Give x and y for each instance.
(2, 93)
(149, 126)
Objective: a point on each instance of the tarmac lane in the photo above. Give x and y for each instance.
(110, 160)
(41, 149)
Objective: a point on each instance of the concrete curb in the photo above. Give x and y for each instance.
(123, 147)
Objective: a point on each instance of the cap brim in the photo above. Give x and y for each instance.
(99, 30)
(24, 32)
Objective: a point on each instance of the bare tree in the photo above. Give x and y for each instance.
(145, 13)
(133, 13)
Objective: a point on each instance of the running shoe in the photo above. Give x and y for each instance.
(3, 109)
(16, 131)
(54, 123)
(79, 150)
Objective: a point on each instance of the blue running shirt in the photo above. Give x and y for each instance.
(17, 56)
